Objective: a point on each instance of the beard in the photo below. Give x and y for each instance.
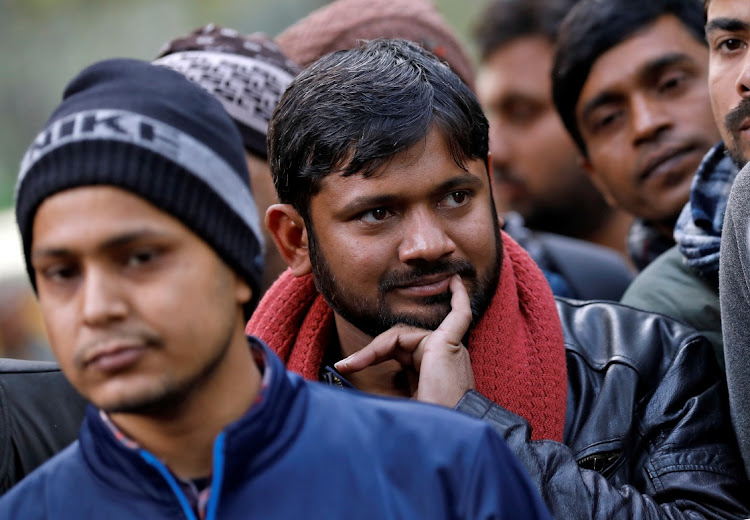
(733, 122)
(373, 315)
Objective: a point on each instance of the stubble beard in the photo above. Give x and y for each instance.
(170, 396)
(373, 315)
(732, 123)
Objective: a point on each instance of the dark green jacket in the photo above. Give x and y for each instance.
(669, 287)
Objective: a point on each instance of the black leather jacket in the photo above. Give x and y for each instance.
(40, 414)
(647, 431)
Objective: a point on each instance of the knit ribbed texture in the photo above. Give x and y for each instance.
(517, 350)
(340, 25)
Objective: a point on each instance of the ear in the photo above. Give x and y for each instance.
(290, 236)
(598, 182)
(242, 291)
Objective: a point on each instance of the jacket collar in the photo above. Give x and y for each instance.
(249, 444)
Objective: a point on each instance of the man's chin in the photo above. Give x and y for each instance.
(739, 152)
(428, 318)
(421, 321)
(152, 403)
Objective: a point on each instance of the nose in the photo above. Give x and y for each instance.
(102, 301)
(425, 238)
(743, 80)
(500, 146)
(649, 118)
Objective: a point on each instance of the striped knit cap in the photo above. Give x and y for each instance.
(146, 129)
(247, 73)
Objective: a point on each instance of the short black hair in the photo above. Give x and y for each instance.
(503, 21)
(352, 111)
(595, 26)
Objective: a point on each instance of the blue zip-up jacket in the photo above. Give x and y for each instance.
(305, 451)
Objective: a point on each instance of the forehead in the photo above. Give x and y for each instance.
(520, 67)
(732, 9)
(421, 170)
(623, 66)
(91, 213)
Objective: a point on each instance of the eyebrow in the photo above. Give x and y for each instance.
(727, 24)
(652, 69)
(112, 243)
(367, 201)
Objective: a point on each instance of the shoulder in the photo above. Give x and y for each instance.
(400, 429)
(47, 488)
(34, 427)
(418, 441)
(593, 271)
(664, 286)
(605, 333)
(403, 415)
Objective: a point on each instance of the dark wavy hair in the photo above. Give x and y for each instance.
(595, 26)
(351, 111)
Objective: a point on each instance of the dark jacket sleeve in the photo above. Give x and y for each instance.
(677, 460)
(40, 414)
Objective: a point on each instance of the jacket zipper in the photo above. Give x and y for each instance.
(599, 462)
(217, 480)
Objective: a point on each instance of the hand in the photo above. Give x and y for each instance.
(438, 357)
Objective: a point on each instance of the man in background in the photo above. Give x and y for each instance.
(536, 166)
(631, 85)
(247, 74)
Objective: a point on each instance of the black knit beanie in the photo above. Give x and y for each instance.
(146, 129)
(247, 73)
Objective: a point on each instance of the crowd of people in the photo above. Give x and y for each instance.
(344, 272)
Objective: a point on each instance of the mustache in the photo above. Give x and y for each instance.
(737, 116)
(463, 268)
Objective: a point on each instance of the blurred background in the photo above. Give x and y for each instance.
(44, 43)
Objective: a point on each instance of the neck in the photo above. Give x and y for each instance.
(612, 232)
(388, 378)
(183, 438)
(665, 227)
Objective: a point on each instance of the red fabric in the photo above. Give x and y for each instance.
(516, 349)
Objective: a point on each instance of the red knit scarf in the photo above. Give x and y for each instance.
(516, 349)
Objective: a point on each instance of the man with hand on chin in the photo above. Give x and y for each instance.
(380, 159)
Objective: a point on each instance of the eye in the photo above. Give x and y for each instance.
(671, 82)
(140, 257)
(521, 112)
(730, 45)
(455, 199)
(375, 215)
(59, 273)
(606, 120)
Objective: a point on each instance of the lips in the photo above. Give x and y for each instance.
(427, 285)
(114, 355)
(664, 162)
